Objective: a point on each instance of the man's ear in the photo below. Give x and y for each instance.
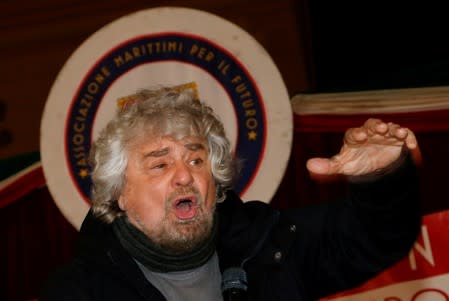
(121, 202)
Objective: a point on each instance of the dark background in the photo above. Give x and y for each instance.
(381, 44)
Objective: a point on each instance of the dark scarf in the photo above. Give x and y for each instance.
(154, 257)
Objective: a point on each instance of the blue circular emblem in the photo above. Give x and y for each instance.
(184, 48)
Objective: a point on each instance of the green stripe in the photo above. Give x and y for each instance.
(13, 165)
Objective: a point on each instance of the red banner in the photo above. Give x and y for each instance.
(421, 276)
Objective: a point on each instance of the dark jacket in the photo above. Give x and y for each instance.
(295, 254)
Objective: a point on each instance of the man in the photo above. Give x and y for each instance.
(165, 223)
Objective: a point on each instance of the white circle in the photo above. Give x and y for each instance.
(248, 53)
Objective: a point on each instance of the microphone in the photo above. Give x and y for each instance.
(234, 284)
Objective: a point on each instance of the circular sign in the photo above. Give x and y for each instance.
(166, 46)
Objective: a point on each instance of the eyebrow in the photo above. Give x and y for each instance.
(166, 150)
(157, 153)
(194, 146)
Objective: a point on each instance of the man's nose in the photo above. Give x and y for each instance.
(183, 175)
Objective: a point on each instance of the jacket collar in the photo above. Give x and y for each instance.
(243, 229)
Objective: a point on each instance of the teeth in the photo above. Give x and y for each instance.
(184, 205)
(184, 201)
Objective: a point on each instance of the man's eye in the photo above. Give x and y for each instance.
(159, 166)
(196, 162)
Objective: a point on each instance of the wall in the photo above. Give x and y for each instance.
(37, 37)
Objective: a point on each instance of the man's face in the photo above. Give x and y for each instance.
(169, 191)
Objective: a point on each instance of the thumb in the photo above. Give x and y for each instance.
(322, 170)
(320, 166)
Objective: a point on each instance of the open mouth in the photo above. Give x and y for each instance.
(185, 207)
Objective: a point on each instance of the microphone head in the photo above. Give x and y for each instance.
(234, 278)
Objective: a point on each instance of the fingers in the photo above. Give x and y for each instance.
(375, 126)
(354, 136)
(320, 170)
(411, 140)
(412, 144)
(367, 148)
(370, 128)
(376, 131)
(379, 132)
(318, 166)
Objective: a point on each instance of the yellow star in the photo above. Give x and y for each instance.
(252, 135)
(83, 173)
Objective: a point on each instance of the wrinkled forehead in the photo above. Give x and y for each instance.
(156, 139)
(176, 123)
(171, 130)
(161, 125)
(185, 140)
(158, 145)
